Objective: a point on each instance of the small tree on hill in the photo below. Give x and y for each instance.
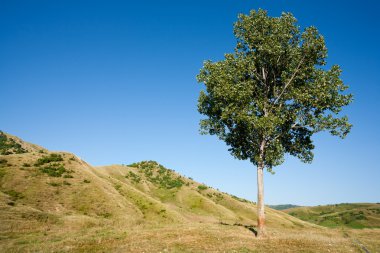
(272, 94)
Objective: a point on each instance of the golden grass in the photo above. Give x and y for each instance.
(102, 210)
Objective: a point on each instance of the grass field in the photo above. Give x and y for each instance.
(55, 202)
(349, 215)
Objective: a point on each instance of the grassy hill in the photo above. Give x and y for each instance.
(358, 215)
(56, 202)
(282, 207)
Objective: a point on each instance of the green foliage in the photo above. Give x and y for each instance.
(282, 207)
(54, 170)
(9, 146)
(239, 199)
(340, 215)
(48, 159)
(274, 92)
(134, 177)
(202, 187)
(156, 174)
(14, 195)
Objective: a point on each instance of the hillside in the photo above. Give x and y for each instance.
(56, 202)
(358, 215)
(282, 207)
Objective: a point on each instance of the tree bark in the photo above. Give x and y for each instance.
(260, 193)
(260, 201)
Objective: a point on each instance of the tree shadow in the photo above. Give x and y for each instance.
(249, 227)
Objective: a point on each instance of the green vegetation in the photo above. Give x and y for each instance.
(134, 177)
(340, 215)
(14, 195)
(40, 213)
(54, 170)
(282, 207)
(202, 187)
(239, 199)
(48, 159)
(156, 174)
(9, 146)
(271, 94)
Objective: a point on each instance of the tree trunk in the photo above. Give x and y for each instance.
(260, 193)
(260, 201)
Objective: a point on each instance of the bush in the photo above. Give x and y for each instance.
(54, 170)
(134, 177)
(9, 146)
(202, 187)
(48, 159)
(86, 181)
(14, 195)
(157, 174)
(26, 165)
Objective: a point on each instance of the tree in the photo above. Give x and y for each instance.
(271, 94)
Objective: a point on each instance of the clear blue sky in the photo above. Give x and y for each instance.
(114, 82)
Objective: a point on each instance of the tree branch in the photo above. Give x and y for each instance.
(290, 80)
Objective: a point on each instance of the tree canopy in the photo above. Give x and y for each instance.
(271, 94)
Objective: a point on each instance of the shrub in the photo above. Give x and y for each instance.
(134, 177)
(157, 174)
(26, 165)
(14, 195)
(9, 146)
(202, 187)
(48, 159)
(86, 181)
(54, 170)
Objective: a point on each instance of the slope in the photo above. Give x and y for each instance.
(56, 202)
(351, 215)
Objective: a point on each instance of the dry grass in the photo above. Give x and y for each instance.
(102, 210)
(179, 238)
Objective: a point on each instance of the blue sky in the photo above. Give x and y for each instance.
(114, 82)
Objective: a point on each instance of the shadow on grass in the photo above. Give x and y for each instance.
(249, 227)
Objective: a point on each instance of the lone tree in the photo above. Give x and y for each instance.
(272, 94)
